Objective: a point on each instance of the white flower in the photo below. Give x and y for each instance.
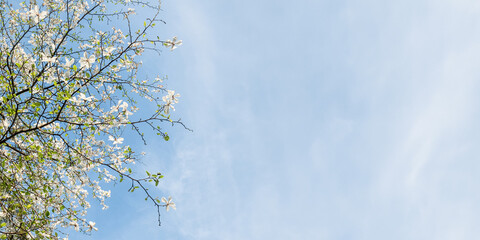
(83, 97)
(75, 225)
(168, 107)
(166, 99)
(87, 61)
(91, 226)
(47, 59)
(5, 123)
(172, 44)
(36, 15)
(174, 97)
(86, 45)
(168, 203)
(108, 51)
(115, 140)
(130, 11)
(123, 105)
(68, 63)
(171, 97)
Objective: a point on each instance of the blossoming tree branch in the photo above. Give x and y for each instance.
(68, 89)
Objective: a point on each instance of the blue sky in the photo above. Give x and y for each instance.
(315, 120)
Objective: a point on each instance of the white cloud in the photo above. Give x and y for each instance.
(366, 132)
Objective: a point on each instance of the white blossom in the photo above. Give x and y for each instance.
(5, 123)
(68, 62)
(169, 203)
(172, 44)
(170, 99)
(75, 225)
(36, 15)
(83, 97)
(130, 11)
(91, 226)
(173, 96)
(115, 140)
(108, 51)
(48, 59)
(87, 62)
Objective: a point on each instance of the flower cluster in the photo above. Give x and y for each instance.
(68, 89)
(172, 44)
(170, 99)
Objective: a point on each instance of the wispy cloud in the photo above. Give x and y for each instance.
(328, 120)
